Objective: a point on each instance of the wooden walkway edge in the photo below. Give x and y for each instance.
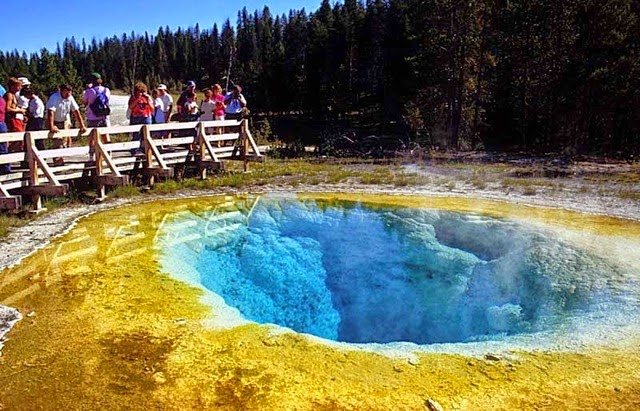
(35, 173)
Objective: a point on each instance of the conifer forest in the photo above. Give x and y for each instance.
(535, 76)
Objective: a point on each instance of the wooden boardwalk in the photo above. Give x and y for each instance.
(162, 147)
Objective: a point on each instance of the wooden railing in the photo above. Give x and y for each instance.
(35, 173)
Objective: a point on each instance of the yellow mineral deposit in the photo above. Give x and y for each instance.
(108, 330)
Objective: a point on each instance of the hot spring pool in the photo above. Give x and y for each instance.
(355, 273)
(328, 301)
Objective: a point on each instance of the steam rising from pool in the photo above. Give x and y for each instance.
(351, 273)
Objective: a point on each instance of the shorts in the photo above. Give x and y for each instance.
(98, 123)
(62, 125)
(15, 124)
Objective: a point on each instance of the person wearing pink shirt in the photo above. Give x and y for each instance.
(218, 100)
(4, 147)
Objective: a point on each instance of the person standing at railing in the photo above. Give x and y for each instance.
(60, 107)
(14, 116)
(97, 91)
(235, 102)
(23, 100)
(207, 106)
(36, 115)
(158, 113)
(190, 109)
(4, 148)
(158, 108)
(218, 99)
(141, 106)
(182, 100)
(207, 109)
(167, 101)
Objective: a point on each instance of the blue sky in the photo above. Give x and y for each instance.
(49, 22)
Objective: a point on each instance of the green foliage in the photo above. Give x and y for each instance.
(7, 222)
(53, 203)
(166, 187)
(124, 191)
(263, 134)
(281, 150)
(533, 75)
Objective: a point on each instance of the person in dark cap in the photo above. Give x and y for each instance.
(235, 102)
(97, 90)
(182, 100)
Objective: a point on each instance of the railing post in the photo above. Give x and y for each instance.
(98, 155)
(92, 144)
(148, 154)
(201, 142)
(245, 143)
(30, 158)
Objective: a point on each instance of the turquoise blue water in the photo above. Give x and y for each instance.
(351, 273)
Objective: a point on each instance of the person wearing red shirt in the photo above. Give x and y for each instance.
(141, 106)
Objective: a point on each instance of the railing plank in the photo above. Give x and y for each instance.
(14, 175)
(70, 176)
(127, 145)
(173, 141)
(11, 137)
(15, 184)
(37, 135)
(173, 126)
(120, 129)
(222, 137)
(226, 149)
(181, 153)
(70, 167)
(221, 123)
(70, 132)
(11, 158)
(65, 152)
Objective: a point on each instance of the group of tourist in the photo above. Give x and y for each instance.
(158, 107)
(22, 109)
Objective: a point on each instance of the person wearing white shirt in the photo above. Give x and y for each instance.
(60, 107)
(167, 102)
(159, 108)
(23, 100)
(207, 107)
(36, 115)
(235, 102)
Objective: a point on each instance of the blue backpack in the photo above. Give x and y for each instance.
(100, 105)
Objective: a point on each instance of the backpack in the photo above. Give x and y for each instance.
(100, 105)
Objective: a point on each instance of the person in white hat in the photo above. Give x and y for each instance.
(167, 101)
(23, 100)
